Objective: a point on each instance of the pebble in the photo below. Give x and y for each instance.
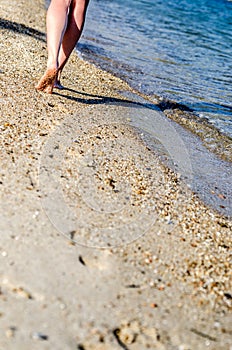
(10, 332)
(39, 336)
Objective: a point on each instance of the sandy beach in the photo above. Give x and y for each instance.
(102, 245)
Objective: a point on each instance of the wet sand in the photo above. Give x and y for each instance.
(163, 279)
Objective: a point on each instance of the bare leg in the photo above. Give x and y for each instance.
(56, 25)
(72, 34)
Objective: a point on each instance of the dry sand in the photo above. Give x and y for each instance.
(72, 163)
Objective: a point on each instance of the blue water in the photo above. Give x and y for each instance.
(180, 50)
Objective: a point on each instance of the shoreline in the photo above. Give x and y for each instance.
(58, 293)
(212, 138)
(216, 141)
(215, 148)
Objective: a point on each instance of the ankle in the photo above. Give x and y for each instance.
(59, 75)
(52, 64)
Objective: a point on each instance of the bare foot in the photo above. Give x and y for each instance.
(47, 81)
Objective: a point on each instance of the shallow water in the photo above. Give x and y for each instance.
(177, 50)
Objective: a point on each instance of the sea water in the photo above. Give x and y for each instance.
(179, 50)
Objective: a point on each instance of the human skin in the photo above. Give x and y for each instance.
(65, 22)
